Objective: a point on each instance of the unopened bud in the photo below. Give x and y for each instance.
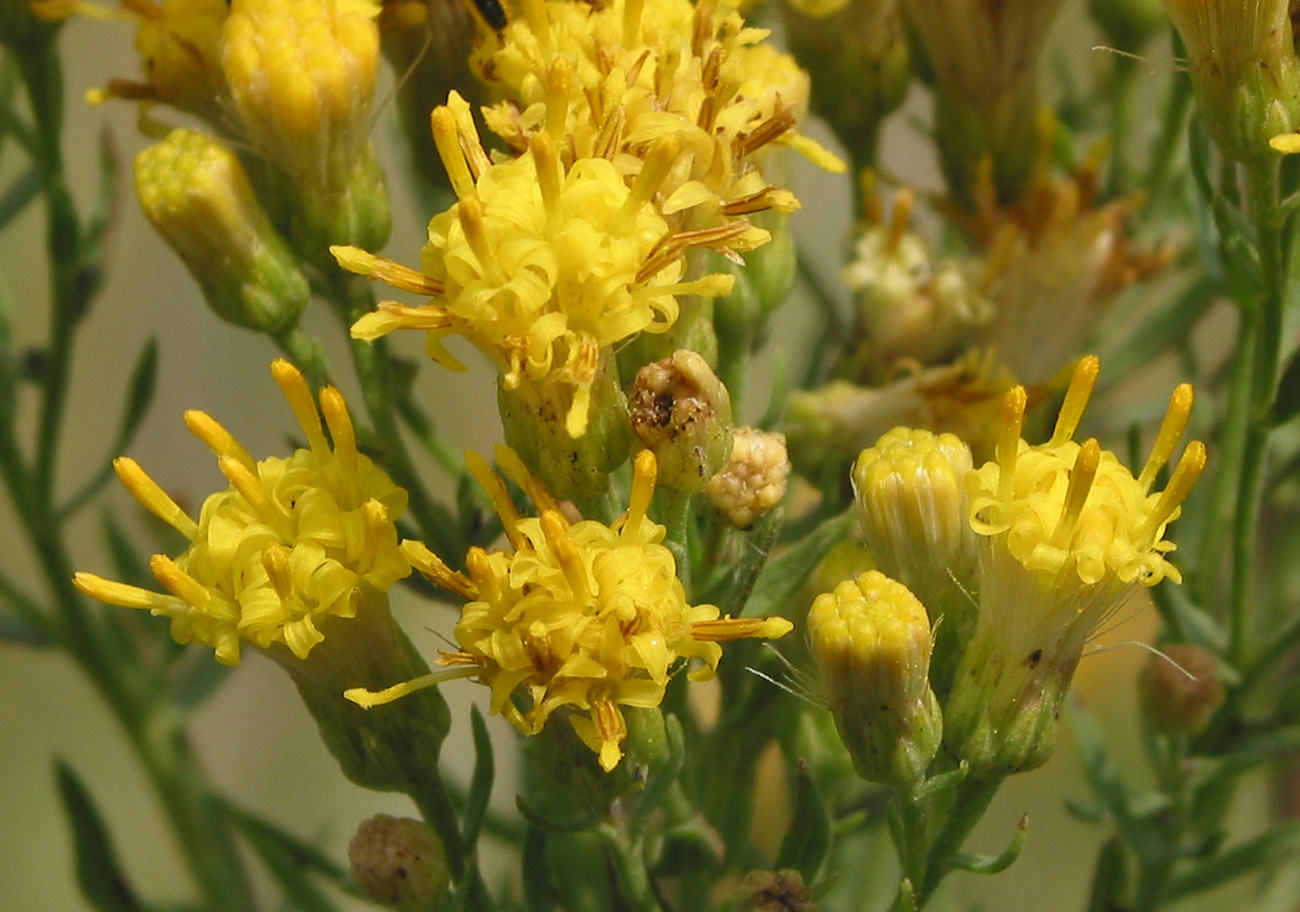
(399, 863)
(752, 482)
(871, 640)
(196, 194)
(910, 490)
(682, 413)
(1180, 690)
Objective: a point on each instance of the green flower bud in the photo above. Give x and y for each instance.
(534, 416)
(871, 640)
(1180, 690)
(196, 194)
(399, 863)
(681, 412)
(1244, 69)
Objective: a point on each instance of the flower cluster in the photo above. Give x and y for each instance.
(1048, 540)
(576, 616)
(291, 543)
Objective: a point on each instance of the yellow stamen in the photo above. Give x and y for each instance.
(179, 583)
(368, 699)
(382, 269)
(559, 79)
(447, 140)
(548, 178)
(294, 386)
(153, 498)
(470, 211)
(436, 571)
(1010, 424)
(728, 628)
(1076, 399)
(339, 422)
(632, 11)
(219, 440)
(275, 559)
(517, 472)
(1076, 494)
(374, 515)
(471, 146)
(500, 497)
(644, 472)
(611, 133)
(250, 486)
(1189, 468)
(487, 586)
(120, 594)
(566, 555)
(658, 162)
(1171, 431)
(902, 219)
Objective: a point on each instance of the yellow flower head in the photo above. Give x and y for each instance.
(614, 78)
(302, 74)
(1066, 534)
(290, 543)
(179, 45)
(578, 616)
(540, 265)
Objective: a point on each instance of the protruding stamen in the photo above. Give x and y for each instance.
(470, 211)
(339, 422)
(374, 516)
(250, 487)
(471, 146)
(479, 565)
(121, 594)
(1010, 423)
(496, 491)
(644, 472)
(781, 122)
(548, 177)
(903, 202)
(153, 498)
(671, 247)
(390, 316)
(1180, 484)
(1171, 431)
(539, 24)
(436, 571)
(219, 440)
(368, 699)
(382, 269)
(709, 82)
(760, 201)
(658, 162)
(1076, 399)
(294, 386)
(632, 11)
(1076, 495)
(517, 472)
(727, 628)
(275, 560)
(566, 555)
(179, 583)
(559, 79)
(611, 133)
(447, 139)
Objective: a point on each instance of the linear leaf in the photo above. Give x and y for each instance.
(99, 875)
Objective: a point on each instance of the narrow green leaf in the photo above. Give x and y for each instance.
(99, 875)
(995, 864)
(139, 396)
(1286, 403)
(1109, 877)
(290, 861)
(780, 391)
(782, 576)
(19, 195)
(1264, 851)
(102, 219)
(480, 784)
(1166, 328)
(17, 629)
(808, 839)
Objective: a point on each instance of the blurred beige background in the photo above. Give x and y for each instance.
(258, 744)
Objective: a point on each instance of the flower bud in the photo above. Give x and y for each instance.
(752, 482)
(534, 419)
(910, 490)
(682, 413)
(196, 194)
(1180, 690)
(399, 863)
(1244, 70)
(871, 640)
(302, 76)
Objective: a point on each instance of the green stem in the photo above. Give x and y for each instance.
(627, 860)
(1123, 94)
(1168, 140)
(971, 800)
(306, 353)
